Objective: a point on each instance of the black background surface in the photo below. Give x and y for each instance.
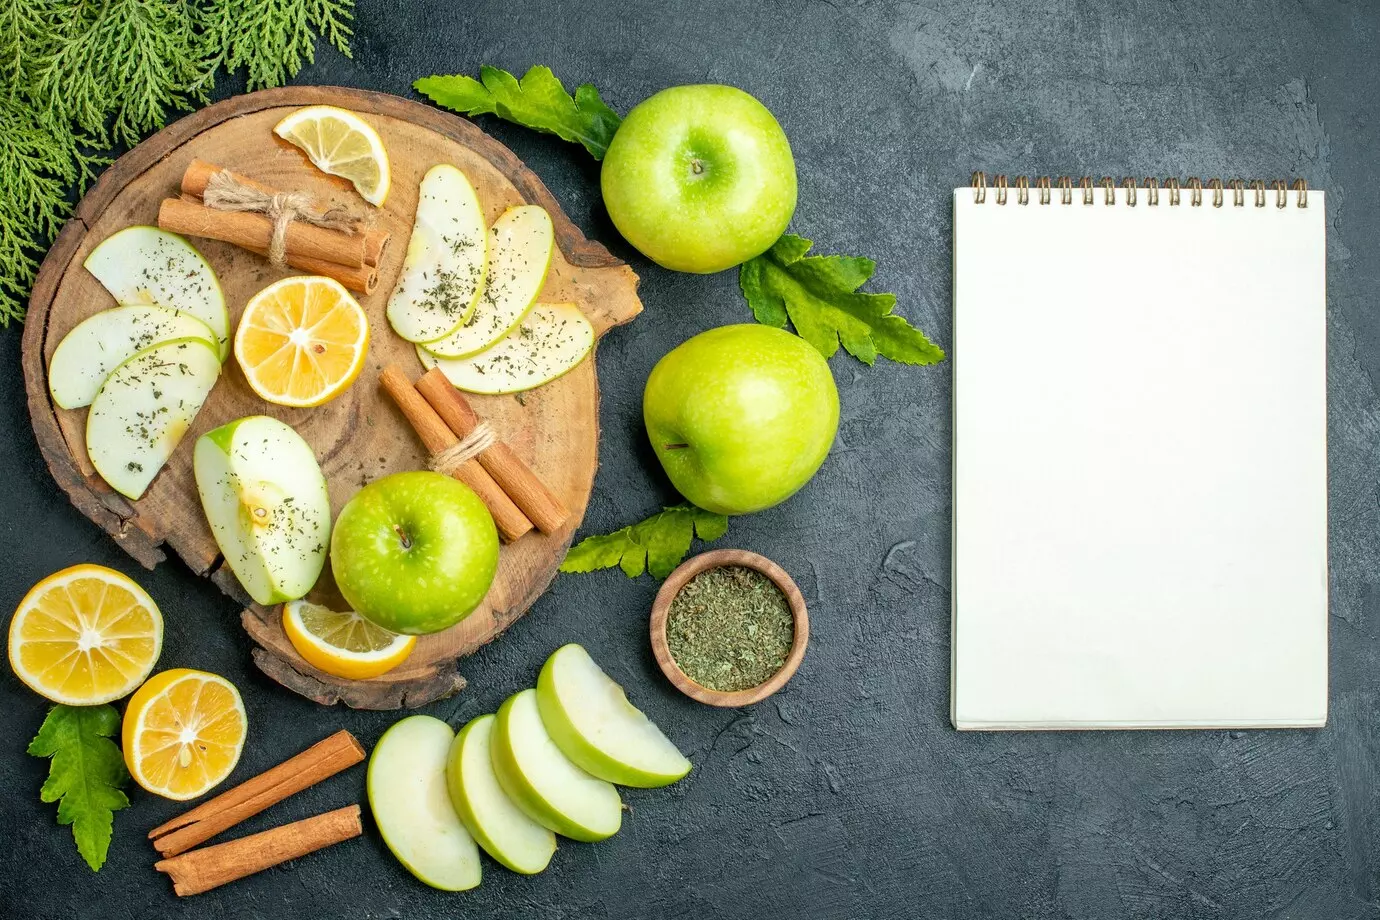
(848, 795)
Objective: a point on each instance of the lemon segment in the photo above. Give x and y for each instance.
(183, 733)
(343, 643)
(340, 143)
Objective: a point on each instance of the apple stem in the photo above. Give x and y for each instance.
(402, 536)
(675, 446)
(696, 166)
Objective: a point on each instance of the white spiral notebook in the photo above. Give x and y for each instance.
(1140, 455)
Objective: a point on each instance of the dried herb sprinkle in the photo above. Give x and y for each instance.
(730, 628)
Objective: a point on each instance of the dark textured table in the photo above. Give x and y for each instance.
(848, 795)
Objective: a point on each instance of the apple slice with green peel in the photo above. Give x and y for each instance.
(447, 259)
(143, 409)
(500, 827)
(592, 722)
(543, 782)
(265, 498)
(146, 265)
(520, 245)
(101, 343)
(546, 344)
(407, 794)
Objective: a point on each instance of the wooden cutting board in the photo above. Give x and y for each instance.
(360, 436)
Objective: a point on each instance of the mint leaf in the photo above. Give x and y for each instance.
(657, 544)
(537, 101)
(85, 775)
(819, 296)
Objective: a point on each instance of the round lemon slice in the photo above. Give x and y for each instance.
(343, 643)
(84, 636)
(340, 143)
(183, 733)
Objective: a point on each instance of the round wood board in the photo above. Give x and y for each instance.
(360, 436)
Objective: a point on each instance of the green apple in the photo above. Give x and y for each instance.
(146, 265)
(501, 828)
(414, 552)
(548, 343)
(521, 242)
(543, 782)
(592, 722)
(102, 342)
(700, 178)
(139, 415)
(266, 501)
(408, 796)
(741, 416)
(443, 272)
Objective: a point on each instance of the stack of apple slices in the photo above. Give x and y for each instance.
(509, 783)
(146, 366)
(467, 295)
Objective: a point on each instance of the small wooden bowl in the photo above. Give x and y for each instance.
(713, 560)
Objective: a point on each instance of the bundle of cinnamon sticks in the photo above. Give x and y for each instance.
(352, 258)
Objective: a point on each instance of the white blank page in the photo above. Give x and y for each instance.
(1140, 464)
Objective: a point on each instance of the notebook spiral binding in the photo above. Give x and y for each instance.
(1045, 187)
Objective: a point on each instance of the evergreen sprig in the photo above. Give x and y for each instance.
(80, 78)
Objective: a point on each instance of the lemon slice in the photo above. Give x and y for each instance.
(183, 733)
(302, 341)
(84, 636)
(340, 143)
(343, 643)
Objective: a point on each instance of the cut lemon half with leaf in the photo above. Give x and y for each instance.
(183, 733)
(340, 143)
(84, 636)
(302, 341)
(343, 643)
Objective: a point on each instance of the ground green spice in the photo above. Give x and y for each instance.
(730, 628)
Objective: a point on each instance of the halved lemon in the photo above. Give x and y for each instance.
(84, 636)
(302, 341)
(343, 643)
(183, 733)
(340, 143)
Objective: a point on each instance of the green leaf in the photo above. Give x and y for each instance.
(537, 101)
(85, 775)
(819, 296)
(657, 544)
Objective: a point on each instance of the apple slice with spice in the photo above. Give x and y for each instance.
(520, 245)
(100, 343)
(500, 827)
(265, 498)
(146, 265)
(407, 794)
(589, 717)
(548, 343)
(143, 409)
(447, 257)
(545, 783)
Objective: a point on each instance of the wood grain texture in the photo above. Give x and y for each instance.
(361, 435)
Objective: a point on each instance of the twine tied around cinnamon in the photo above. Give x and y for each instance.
(464, 450)
(225, 193)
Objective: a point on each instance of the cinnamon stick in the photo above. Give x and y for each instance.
(210, 867)
(437, 437)
(192, 828)
(198, 175)
(254, 231)
(516, 478)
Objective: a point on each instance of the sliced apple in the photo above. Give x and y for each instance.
(143, 409)
(265, 498)
(447, 258)
(543, 782)
(101, 343)
(500, 827)
(146, 265)
(589, 717)
(407, 794)
(548, 343)
(520, 246)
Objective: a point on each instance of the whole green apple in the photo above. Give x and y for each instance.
(700, 178)
(414, 552)
(741, 416)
